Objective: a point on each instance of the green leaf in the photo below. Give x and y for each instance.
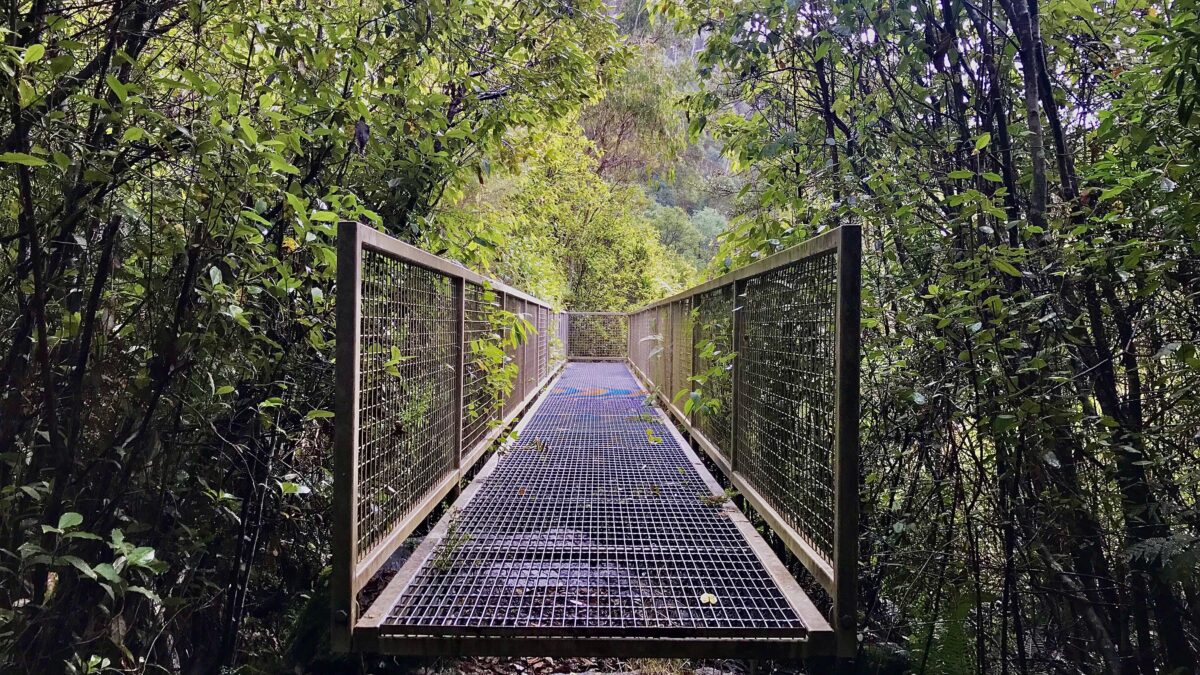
(141, 556)
(961, 174)
(1003, 423)
(294, 489)
(69, 519)
(225, 389)
(1006, 267)
(318, 414)
(281, 165)
(146, 592)
(250, 215)
(80, 565)
(108, 572)
(982, 141)
(118, 87)
(33, 53)
(248, 131)
(21, 158)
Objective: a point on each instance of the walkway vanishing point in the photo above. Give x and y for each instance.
(597, 530)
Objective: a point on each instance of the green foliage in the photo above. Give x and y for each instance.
(636, 127)
(171, 175)
(561, 230)
(1029, 200)
(678, 233)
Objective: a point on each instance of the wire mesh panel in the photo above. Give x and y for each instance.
(597, 335)
(641, 338)
(713, 358)
(406, 398)
(516, 354)
(481, 409)
(543, 341)
(558, 338)
(419, 344)
(595, 523)
(775, 346)
(529, 367)
(786, 393)
(681, 349)
(658, 340)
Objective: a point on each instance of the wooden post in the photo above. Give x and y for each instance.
(345, 455)
(668, 357)
(845, 545)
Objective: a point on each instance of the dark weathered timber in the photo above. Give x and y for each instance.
(411, 278)
(795, 403)
(846, 439)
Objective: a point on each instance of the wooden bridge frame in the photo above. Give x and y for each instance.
(835, 570)
(352, 571)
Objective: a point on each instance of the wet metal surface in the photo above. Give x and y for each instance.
(596, 522)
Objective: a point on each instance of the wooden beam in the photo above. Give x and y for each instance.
(846, 439)
(345, 450)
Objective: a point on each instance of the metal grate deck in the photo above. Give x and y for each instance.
(598, 522)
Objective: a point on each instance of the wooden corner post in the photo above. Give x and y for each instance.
(345, 443)
(846, 441)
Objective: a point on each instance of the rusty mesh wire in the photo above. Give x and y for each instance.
(594, 525)
(407, 409)
(597, 335)
(514, 305)
(787, 393)
(640, 340)
(681, 350)
(558, 338)
(480, 407)
(714, 324)
(658, 354)
(543, 342)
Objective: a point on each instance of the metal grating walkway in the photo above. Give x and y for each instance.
(599, 522)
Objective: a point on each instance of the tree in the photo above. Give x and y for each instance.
(570, 234)
(636, 128)
(171, 176)
(1031, 315)
(678, 233)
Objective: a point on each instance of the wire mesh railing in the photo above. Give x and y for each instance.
(761, 367)
(423, 358)
(597, 336)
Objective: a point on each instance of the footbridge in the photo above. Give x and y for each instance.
(565, 459)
